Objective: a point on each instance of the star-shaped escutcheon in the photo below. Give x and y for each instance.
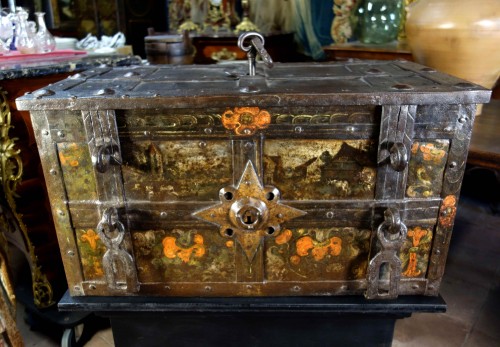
(249, 212)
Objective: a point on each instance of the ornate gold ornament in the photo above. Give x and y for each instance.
(11, 170)
(245, 120)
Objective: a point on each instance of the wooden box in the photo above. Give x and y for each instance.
(306, 179)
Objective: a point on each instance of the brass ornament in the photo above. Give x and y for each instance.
(11, 170)
(245, 120)
(249, 212)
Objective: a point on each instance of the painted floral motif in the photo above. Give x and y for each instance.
(76, 166)
(334, 254)
(430, 152)
(91, 252)
(171, 250)
(448, 211)
(246, 120)
(319, 250)
(426, 168)
(91, 237)
(183, 255)
(70, 158)
(415, 252)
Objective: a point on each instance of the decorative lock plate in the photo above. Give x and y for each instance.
(249, 212)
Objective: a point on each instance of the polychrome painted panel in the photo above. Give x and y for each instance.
(318, 254)
(426, 168)
(321, 169)
(91, 251)
(415, 252)
(176, 170)
(77, 170)
(184, 255)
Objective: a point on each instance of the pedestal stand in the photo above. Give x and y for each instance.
(269, 321)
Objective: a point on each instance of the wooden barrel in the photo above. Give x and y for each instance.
(169, 49)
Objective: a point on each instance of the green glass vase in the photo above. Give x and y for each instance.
(379, 20)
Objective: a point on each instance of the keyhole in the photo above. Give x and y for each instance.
(249, 217)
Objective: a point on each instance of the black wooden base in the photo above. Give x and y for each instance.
(283, 321)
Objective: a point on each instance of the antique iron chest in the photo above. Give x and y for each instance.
(305, 179)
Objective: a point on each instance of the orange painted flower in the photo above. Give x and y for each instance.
(318, 250)
(98, 269)
(172, 251)
(245, 120)
(448, 211)
(91, 237)
(416, 234)
(431, 153)
(71, 158)
(411, 270)
(414, 147)
(304, 245)
(284, 237)
(295, 259)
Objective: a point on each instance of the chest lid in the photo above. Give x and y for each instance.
(300, 84)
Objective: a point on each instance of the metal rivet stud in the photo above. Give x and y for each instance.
(167, 288)
(247, 131)
(53, 172)
(93, 287)
(437, 252)
(202, 144)
(45, 132)
(329, 214)
(77, 288)
(61, 133)
(71, 253)
(208, 130)
(296, 289)
(163, 214)
(431, 287)
(453, 164)
(147, 133)
(249, 286)
(208, 288)
(415, 286)
(462, 120)
(105, 91)
(402, 86)
(61, 213)
(298, 130)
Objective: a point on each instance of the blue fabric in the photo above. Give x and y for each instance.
(322, 15)
(305, 31)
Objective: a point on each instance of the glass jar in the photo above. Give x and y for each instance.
(45, 42)
(25, 39)
(379, 20)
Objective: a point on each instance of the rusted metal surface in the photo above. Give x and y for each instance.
(305, 179)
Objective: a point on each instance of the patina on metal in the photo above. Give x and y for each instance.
(303, 179)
